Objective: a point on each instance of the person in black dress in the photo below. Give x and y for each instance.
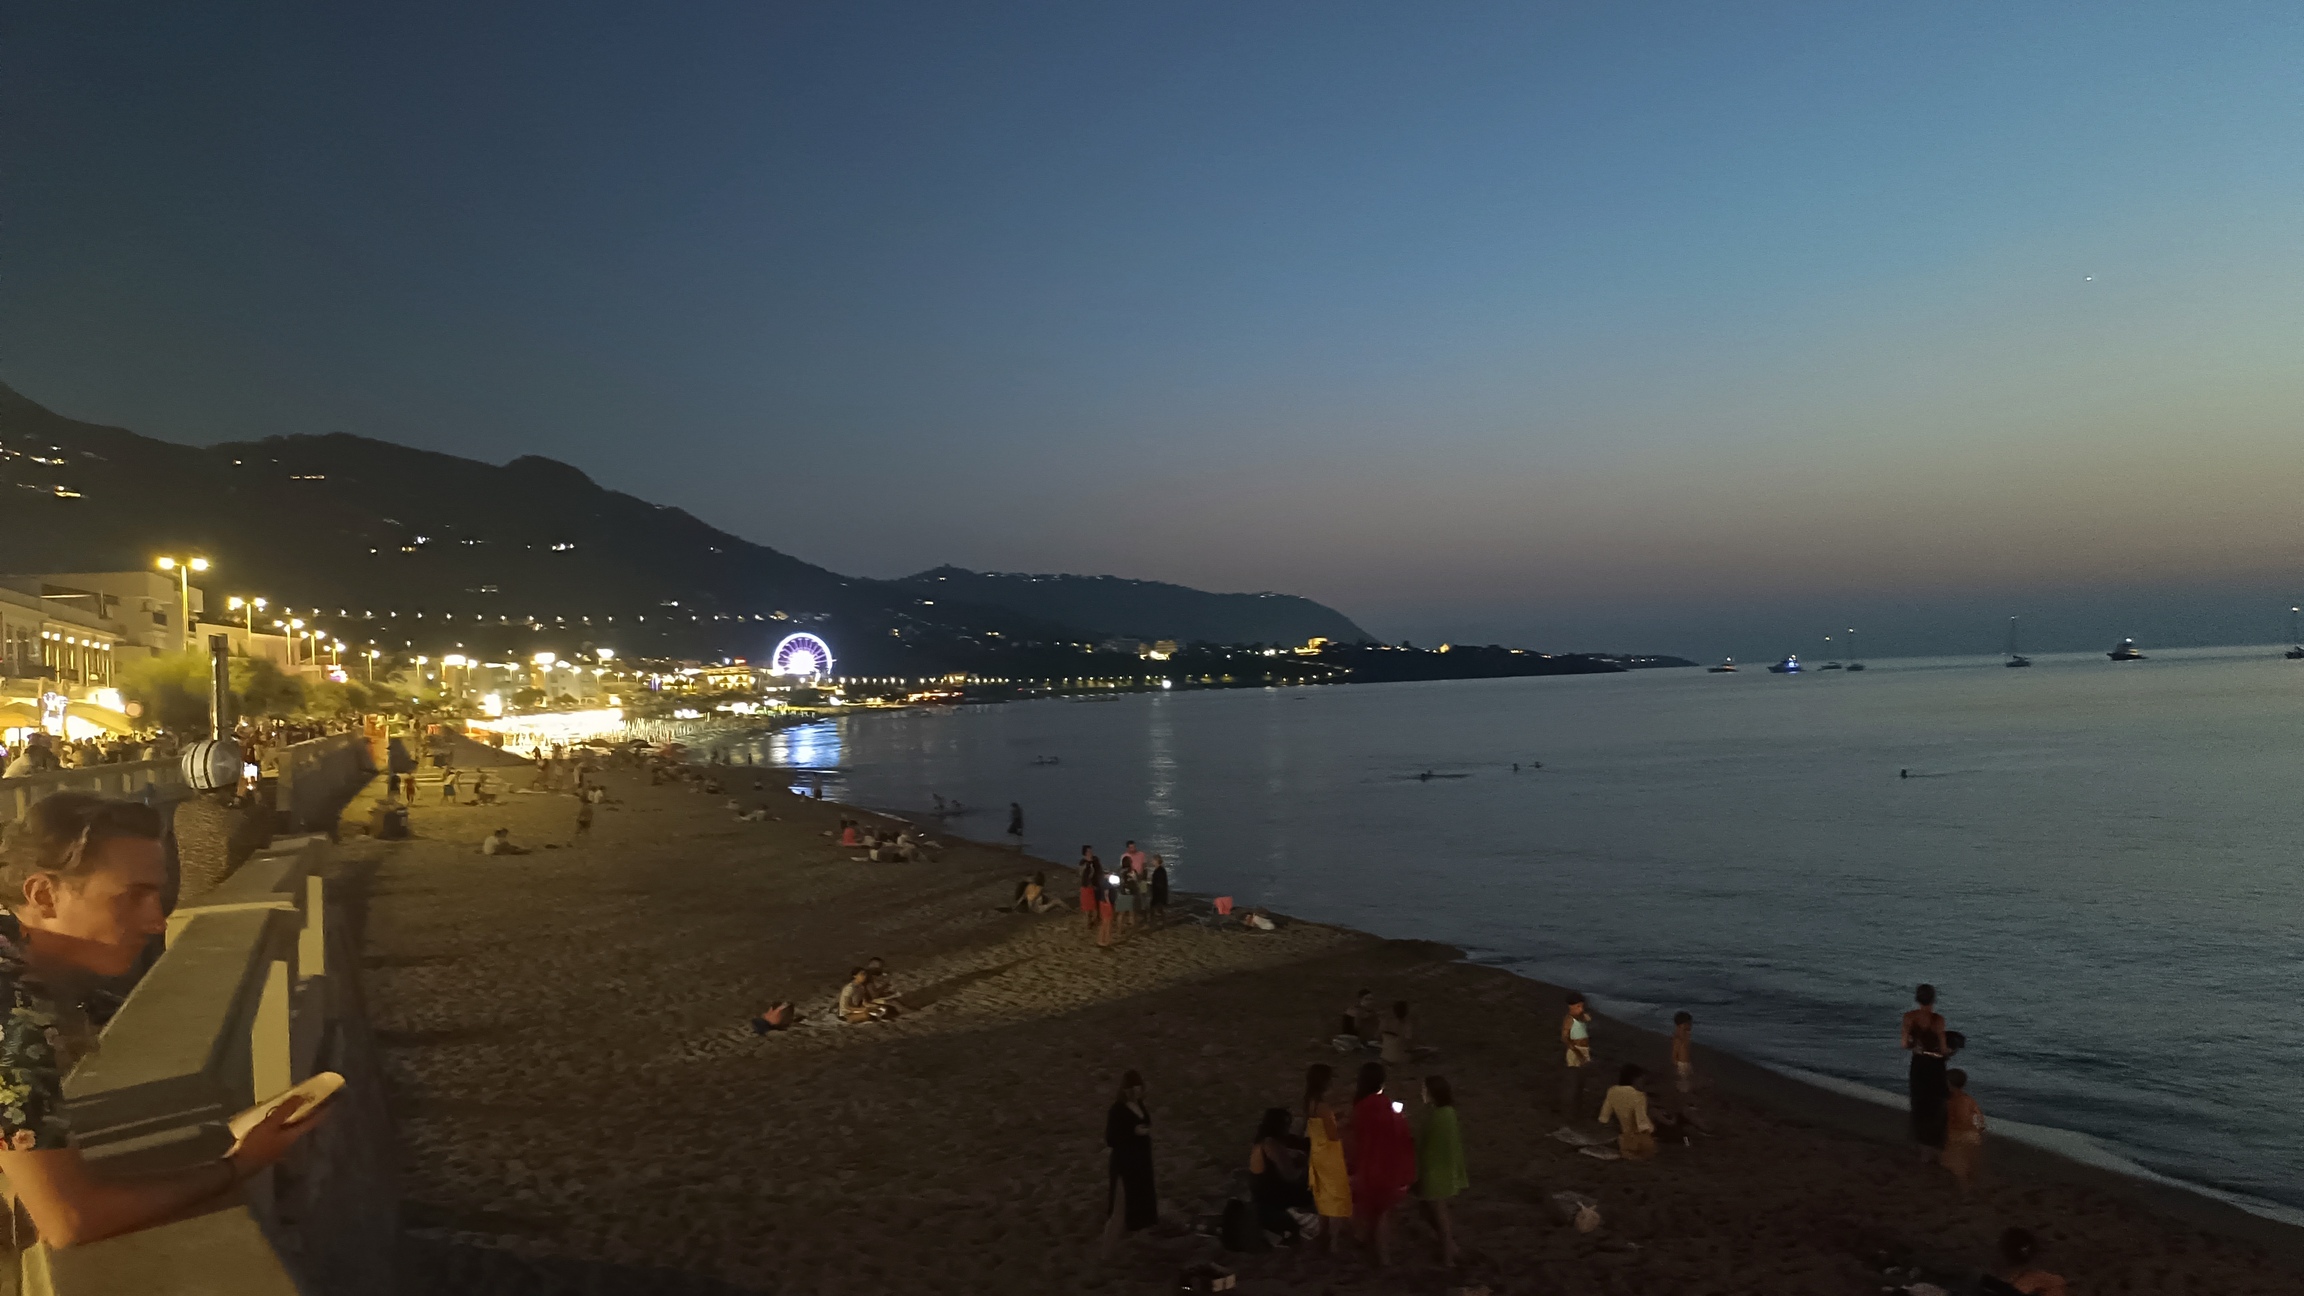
(1130, 1201)
(1276, 1176)
(1159, 887)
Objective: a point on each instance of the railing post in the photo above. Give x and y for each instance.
(271, 1064)
(312, 943)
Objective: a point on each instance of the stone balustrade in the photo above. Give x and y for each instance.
(153, 781)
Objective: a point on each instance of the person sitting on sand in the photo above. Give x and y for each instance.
(1627, 1105)
(1032, 895)
(1258, 919)
(1276, 1177)
(499, 842)
(1360, 1019)
(848, 833)
(1963, 1131)
(856, 1004)
(881, 986)
(779, 1016)
(2017, 1275)
(1398, 1034)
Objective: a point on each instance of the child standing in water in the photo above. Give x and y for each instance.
(1963, 1131)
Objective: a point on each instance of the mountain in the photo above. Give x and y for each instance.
(427, 552)
(1143, 609)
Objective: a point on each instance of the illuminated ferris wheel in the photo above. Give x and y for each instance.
(802, 654)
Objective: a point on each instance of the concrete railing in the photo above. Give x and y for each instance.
(319, 775)
(241, 1005)
(149, 781)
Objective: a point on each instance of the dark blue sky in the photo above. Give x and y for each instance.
(1688, 326)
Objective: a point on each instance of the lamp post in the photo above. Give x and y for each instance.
(184, 567)
(253, 606)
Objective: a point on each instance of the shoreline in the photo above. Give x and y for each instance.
(563, 1035)
(1849, 1107)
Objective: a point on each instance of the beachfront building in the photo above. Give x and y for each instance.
(144, 607)
(57, 666)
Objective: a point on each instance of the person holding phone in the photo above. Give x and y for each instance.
(83, 876)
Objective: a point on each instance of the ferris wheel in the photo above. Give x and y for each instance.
(802, 654)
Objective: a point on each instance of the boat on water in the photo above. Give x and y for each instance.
(1789, 666)
(2015, 658)
(1855, 665)
(2127, 651)
(1727, 666)
(1831, 666)
(2295, 637)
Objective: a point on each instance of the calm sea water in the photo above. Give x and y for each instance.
(2098, 864)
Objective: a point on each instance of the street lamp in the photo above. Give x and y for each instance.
(253, 606)
(184, 567)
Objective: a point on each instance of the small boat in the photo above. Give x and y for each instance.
(1727, 666)
(1831, 666)
(2127, 651)
(1789, 666)
(2015, 658)
(2295, 637)
(1855, 665)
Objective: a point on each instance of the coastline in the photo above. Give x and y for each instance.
(532, 1007)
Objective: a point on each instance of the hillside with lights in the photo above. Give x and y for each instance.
(426, 552)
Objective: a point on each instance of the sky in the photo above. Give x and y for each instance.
(1693, 328)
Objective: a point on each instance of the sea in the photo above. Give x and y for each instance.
(2097, 863)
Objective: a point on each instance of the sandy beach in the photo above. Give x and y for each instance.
(582, 1106)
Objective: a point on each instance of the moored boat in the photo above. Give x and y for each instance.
(2127, 651)
(1727, 666)
(1789, 666)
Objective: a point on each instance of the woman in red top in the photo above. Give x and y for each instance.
(1384, 1161)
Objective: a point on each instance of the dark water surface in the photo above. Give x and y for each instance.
(2097, 864)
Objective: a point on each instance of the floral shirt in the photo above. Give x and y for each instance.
(31, 1068)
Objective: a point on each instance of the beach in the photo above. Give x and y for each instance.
(582, 1104)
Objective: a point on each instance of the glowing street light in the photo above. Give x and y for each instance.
(183, 567)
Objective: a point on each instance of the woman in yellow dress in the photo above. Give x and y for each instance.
(1330, 1181)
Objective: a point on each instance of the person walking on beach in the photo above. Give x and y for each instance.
(1923, 1036)
(1440, 1162)
(448, 785)
(1576, 1046)
(1325, 1171)
(1016, 823)
(1091, 880)
(1130, 1201)
(1107, 901)
(1384, 1164)
(1963, 1131)
(583, 819)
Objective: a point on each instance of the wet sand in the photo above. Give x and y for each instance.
(577, 1090)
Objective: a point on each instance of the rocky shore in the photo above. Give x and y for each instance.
(581, 1101)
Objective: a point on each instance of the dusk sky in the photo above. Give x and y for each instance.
(1698, 328)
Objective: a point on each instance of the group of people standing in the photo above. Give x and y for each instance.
(1317, 1170)
(1137, 893)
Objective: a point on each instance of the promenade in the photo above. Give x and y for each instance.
(581, 1105)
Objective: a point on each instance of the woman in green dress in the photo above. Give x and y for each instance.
(1440, 1162)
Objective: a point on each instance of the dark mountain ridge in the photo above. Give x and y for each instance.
(1144, 609)
(418, 549)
